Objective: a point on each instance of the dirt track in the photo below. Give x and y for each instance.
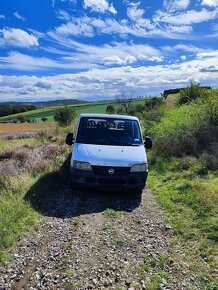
(83, 245)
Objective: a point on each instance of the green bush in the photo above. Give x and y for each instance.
(21, 118)
(188, 129)
(64, 117)
(192, 92)
(110, 109)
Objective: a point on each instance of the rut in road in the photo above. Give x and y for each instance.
(99, 241)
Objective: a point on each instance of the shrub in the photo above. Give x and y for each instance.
(64, 116)
(110, 109)
(187, 129)
(21, 118)
(191, 93)
(44, 119)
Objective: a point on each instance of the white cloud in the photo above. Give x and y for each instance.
(150, 58)
(183, 47)
(82, 56)
(108, 82)
(183, 57)
(99, 6)
(119, 53)
(172, 5)
(18, 16)
(210, 54)
(17, 37)
(63, 15)
(186, 18)
(115, 60)
(144, 28)
(134, 12)
(23, 62)
(211, 3)
(80, 27)
(2, 16)
(181, 28)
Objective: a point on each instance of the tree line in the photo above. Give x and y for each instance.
(6, 110)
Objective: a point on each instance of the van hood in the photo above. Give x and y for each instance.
(109, 155)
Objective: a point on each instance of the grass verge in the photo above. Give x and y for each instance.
(17, 214)
(188, 194)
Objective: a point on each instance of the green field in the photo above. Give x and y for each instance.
(93, 107)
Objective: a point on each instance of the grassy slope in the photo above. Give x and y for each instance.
(190, 204)
(95, 107)
(16, 215)
(188, 192)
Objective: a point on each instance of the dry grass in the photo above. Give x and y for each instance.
(25, 127)
(19, 155)
(171, 100)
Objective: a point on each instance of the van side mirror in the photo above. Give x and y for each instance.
(148, 142)
(69, 139)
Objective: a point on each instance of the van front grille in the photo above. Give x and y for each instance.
(111, 181)
(105, 169)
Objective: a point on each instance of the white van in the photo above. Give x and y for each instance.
(108, 153)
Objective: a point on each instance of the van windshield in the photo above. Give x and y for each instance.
(109, 131)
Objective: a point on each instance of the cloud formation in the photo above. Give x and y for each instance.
(96, 83)
(211, 3)
(186, 18)
(172, 5)
(18, 16)
(100, 6)
(134, 13)
(17, 37)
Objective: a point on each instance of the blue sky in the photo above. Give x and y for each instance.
(93, 49)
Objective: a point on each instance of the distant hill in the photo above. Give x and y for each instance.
(46, 104)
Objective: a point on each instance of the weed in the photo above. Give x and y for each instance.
(76, 221)
(69, 273)
(70, 258)
(155, 282)
(112, 214)
(66, 245)
(107, 227)
(211, 285)
(118, 242)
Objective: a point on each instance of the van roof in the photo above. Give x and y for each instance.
(109, 116)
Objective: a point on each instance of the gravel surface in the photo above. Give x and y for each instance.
(83, 245)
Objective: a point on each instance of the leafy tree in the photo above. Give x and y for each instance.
(21, 118)
(110, 109)
(191, 93)
(64, 116)
(44, 119)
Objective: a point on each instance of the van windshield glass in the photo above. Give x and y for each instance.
(109, 131)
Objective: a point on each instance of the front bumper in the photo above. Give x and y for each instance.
(90, 179)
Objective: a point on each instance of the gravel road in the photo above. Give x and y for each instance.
(99, 241)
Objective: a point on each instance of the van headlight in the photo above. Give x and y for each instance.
(139, 168)
(82, 165)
